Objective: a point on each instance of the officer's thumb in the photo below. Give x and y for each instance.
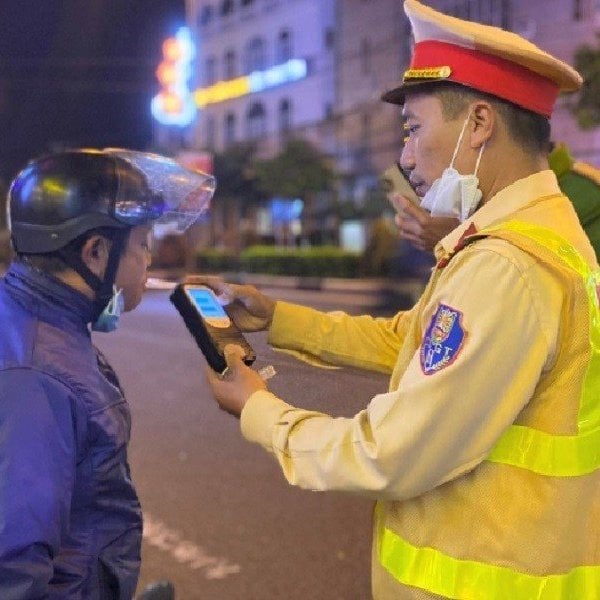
(233, 356)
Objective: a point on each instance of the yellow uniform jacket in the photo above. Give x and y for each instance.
(484, 453)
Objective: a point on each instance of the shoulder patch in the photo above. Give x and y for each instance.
(443, 339)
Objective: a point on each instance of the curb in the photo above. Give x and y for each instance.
(406, 290)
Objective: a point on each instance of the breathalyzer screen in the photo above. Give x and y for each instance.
(206, 303)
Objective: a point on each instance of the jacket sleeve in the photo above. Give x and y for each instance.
(37, 466)
(339, 339)
(433, 425)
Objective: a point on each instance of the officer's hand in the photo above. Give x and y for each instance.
(239, 382)
(418, 227)
(250, 309)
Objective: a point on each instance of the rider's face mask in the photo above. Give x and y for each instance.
(453, 194)
(108, 320)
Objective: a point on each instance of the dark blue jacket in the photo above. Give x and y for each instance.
(70, 519)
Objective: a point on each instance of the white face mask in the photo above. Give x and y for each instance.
(453, 194)
(109, 317)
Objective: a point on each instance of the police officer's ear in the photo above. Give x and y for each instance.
(483, 120)
(94, 254)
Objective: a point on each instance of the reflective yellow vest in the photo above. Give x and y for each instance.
(524, 524)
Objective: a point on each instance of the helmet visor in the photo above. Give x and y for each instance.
(180, 195)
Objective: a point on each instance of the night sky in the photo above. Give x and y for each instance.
(78, 73)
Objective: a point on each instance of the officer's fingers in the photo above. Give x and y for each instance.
(212, 281)
(233, 356)
(209, 280)
(212, 377)
(398, 202)
(246, 293)
(416, 241)
(404, 221)
(417, 213)
(410, 227)
(398, 219)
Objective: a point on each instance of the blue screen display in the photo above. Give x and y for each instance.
(206, 303)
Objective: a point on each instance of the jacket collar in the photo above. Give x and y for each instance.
(50, 298)
(507, 201)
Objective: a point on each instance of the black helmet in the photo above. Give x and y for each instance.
(60, 196)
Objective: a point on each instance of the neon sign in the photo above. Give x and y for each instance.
(174, 104)
(257, 81)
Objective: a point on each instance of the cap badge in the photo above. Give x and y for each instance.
(428, 73)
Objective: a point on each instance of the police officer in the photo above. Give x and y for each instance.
(80, 223)
(483, 453)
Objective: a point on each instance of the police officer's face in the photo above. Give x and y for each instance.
(430, 140)
(133, 266)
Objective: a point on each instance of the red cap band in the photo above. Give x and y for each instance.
(488, 73)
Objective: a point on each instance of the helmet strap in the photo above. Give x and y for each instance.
(105, 291)
(73, 259)
(103, 288)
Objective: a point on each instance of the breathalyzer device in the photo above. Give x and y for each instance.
(210, 324)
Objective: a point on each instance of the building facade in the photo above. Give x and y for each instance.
(561, 27)
(374, 47)
(286, 49)
(323, 64)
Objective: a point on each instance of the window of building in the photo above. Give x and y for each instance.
(329, 38)
(256, 120)
(247, 2)
(227, 7)
(229, 129)
(577, 10)
(506, 14)
(206, 15)
(366, 129)
(210, 70)
(255, 55)
(229, 65)
(284, 46)
(285, 115)
(210, 132)
(407, 47)
(489, 12)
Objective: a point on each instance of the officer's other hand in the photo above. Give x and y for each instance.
(237, 384)
(418, 227)
(250, 309)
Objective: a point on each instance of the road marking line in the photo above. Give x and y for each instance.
(159, 535)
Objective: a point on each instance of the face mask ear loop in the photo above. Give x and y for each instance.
(460, 137)
(479, 158)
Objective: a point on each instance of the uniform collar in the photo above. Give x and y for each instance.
(506, 202)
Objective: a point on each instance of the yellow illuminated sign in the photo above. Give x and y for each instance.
(223, 90)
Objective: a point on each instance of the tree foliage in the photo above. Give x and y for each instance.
(586, 107)
(299, 171)
(234, 172)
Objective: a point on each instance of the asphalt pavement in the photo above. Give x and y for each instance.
(221, 521)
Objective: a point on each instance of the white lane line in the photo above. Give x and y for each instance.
(159, 535)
